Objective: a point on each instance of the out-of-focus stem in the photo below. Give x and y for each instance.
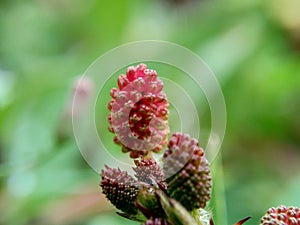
(218, 203)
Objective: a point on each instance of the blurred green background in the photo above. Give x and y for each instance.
(252, 46)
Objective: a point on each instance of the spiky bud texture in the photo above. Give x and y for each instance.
(156, 221)
(191, 181)
(120, 188)
(281, 215)
(139, 112)
(147, 170)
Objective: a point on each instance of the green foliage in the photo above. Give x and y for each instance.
(45, 45)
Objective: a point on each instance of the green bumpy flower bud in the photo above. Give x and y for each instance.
(189, 180)
(120, 188)
(281, 215)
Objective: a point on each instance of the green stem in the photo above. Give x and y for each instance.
(218, 202)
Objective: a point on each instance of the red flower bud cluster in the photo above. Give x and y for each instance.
(120, 188)
(171, 194)
(281, 215)
(192, 184)
(139, 112)
(148, 171)
(139, 119)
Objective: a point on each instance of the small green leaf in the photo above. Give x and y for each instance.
(139, 217)
(177, 214)
(148, 204)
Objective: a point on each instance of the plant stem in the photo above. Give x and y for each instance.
(218, 202)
